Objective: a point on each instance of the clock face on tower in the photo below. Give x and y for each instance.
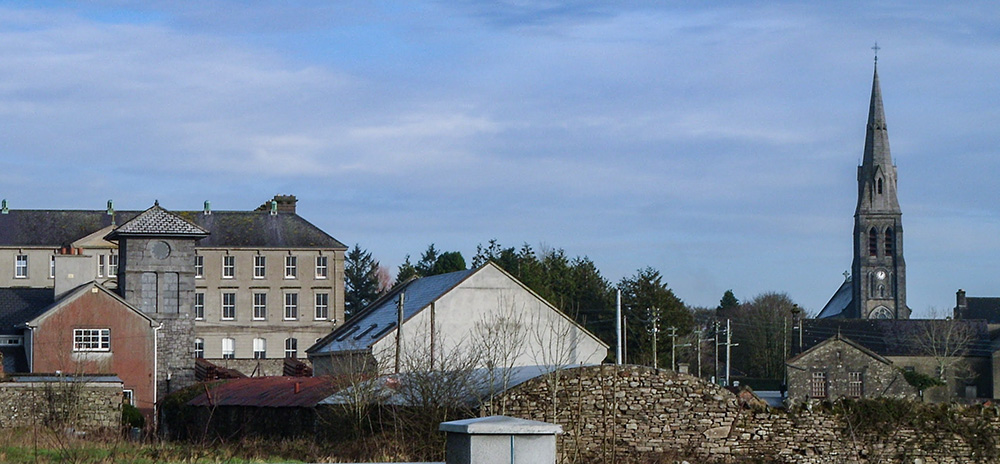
(880, 274)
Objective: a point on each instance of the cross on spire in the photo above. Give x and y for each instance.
(876, 48)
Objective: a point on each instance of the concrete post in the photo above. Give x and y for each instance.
(500, 440)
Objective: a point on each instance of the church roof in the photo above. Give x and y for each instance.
(987, 308)
(897, 337)
(157, 221)
(839, 304)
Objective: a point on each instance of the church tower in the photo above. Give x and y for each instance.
(878, 282)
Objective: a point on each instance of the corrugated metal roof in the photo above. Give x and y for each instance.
(268, 392)
(375, 321)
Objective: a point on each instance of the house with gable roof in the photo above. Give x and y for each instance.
(447, 316)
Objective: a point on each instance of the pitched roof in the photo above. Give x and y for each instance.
(56, 228)
(839, 303)
(20, 305)
(894, 337)
(839, 338)
(371, 324)
(274, 392)
(987, 308)
(158, 221)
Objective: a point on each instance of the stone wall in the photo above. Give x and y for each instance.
(60, 404)
(638, 414)
(254, 367)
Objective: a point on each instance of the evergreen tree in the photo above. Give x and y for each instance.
(727, 305)
(425, 266)
(406, 271)
(449, 261)
(361, 280)
(646, 300)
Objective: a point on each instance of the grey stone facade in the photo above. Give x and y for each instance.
(839, 368)
(81, 404)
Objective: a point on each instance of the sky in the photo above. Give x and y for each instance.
(716, 142)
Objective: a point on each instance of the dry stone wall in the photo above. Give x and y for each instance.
(65, 404)
(640, 414)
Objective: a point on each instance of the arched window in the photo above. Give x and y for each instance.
(889, 242)
(879, 185)
(873, 242)
(880, 312)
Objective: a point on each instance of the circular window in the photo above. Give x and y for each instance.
(160, 249)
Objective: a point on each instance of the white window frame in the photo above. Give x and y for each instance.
(199, 306)
(52, 267)
(855, 384)
(101, 265)
(228, 306)
(321, 306)
(21, 266)
(260, 306)
(199, 267)
(128, 397)
(91, 340)
(259, 348)
(322, 267)
(291, 267)
(291, 306)
(113, 265)
(199, 348)
(228, 267)
(228, 348)
(291, 347)
(259, 266)
(817, 385)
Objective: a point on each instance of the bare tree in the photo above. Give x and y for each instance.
(499, 338)
(946, 342)
(555, 342)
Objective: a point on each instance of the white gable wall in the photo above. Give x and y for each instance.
(530, 332)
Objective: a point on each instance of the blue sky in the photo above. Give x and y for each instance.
(718, 144)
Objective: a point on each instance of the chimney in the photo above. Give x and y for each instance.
(208, 208)
(961, 304)
(72, 269)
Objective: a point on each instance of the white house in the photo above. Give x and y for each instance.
(474, 318)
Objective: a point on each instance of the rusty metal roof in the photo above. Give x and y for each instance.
(268, 392)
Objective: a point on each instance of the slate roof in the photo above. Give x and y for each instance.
(158, 221)
(371, 324)
(839, 302)
(987, 308)
(56, 228)
(20, 305)
(891, 337)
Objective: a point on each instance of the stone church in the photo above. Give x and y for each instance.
(876, 287)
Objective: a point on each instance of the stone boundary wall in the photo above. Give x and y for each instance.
(638, 414)
(254, 367)
(60, 404)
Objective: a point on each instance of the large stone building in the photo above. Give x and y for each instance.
(258, 286)
(876, 288)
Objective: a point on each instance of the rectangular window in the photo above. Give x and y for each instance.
(290, 270)
(855, 385)
(291, 306)
(228, 267)
(818, 387)
(259, 266)
(259, 348)
(199, 306)
(101, 265)
(321, 267)
(228, 306)
(199, 348)
(52, 266)
(228, 348)
(199, 267)
(21, 267)
(291, 348)
(128, 397)
(113, 266)
(260, 306)
(322, 306)
(91, 339)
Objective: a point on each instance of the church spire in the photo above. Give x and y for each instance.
(877, 174)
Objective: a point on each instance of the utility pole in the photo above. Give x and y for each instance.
(618, 327)
(399, 329)
(654, 319)
(729, 346)
(700, 341)
(715, 374)
(673, 348)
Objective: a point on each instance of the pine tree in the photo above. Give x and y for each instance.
(361, 282)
